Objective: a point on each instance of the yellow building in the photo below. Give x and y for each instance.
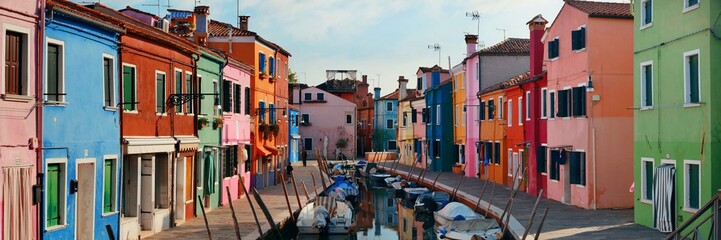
(406, 120)
(492, 126)
(459, 112)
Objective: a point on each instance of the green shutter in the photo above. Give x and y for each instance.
(648, 81)
(648, 168)
(129, 88)
(179, 89)
(108, 186)
(693, 186)
(160, 93)
(189, 89)
(693, 78)
(53, 195)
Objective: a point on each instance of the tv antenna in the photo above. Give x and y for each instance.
(158, 5)
(436, 48)
(475, 16)
(504, 32)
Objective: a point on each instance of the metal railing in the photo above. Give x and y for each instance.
(707, 218)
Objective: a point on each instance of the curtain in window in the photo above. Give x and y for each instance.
(209, 173)
(663, 199)
(17, 203)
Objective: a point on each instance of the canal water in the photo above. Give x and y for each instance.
(380, 216)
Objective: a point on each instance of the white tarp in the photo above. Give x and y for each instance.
(454, 209)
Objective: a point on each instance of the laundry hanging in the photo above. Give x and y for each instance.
(664, 198)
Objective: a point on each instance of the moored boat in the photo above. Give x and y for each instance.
(458, 221)
(413, 193)
(431, 202)
(325, 215)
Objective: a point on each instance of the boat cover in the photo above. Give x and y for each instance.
(320, 214)
(458, 211)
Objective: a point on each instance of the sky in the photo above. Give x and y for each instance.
(383, 39)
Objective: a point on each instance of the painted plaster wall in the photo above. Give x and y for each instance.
(496, 69)
(16, 128)
(448, 152)
(472, 125)
(493, 130)
(459, 99)
(383, 134)
(331, 125)
(405, 133)
(281, 101)
(419, 131)
(293, 129)
(669, 131)
(535, 134)
(515, 135)
(209, 69)
(83, 70)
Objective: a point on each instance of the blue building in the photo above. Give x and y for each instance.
(81, 134)
(386, 121)
(442, 153)
(294, 135)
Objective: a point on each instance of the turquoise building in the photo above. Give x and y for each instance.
(386, 121)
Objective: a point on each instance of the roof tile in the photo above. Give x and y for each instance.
(602, 9)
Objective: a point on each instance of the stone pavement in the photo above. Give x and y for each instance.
(220, 219)
(563, 221)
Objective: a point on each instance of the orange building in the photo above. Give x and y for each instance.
(269, 94)
(492, 135)
(515, 141)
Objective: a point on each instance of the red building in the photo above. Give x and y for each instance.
(517, 150)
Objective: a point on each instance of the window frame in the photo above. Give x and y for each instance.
(305, 141)
(347, 118)
(686, 181)
(306, 123)
(131, 102)
(688, 8)
(25, 51)
(644, 86)
(509, 111)
(180, 108)
(165, 92)
(644, 160)
(583, 168)
(114, 182)
(520, 111)
(528, 106)
(62, 201)
(500, 108)
(61, 71)
(394, 143)
(438, 114)
(556, 52)
(686, 77)
(389, 121)
(544, 103)
(645, 25)
(510, 160)
(580, 29)
(552, 104)
(307, 96)
(319, 96)
(389, 106)
(114, 76)
(189, 109)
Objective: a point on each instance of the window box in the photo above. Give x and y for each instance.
(217, 122)
(202, 122)
(263, 75)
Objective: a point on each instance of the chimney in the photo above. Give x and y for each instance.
(376, 93)
(402, 83)
(537, 27)
(202, 14)
(243, 22)
(435, 78)
(471, 42)
(365, 79)
(362, 89)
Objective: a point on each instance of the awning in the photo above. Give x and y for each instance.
(180, 14)
(138, 145)
(262, 151)
(272, 149)
(295, 136)
(188, 143)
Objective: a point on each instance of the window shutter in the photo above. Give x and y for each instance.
(128, 88)
(575, 167)
(575, 40)
(271, 110)
(261, 61)
(247, 101)
(582, 38)
(53, 179)
(236, 97)
(693, 78)
(541, 159)
(491, 109)
(647, 12)
(108, 186)
(482, 113)
(550, 50)
(648, 81)
(497, 152)
(271, 63)
(413, 115)
(13, 63)
(226, 96)
(563, 103)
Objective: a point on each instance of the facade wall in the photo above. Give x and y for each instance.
(459, 121)
(405, 133)
(472, 81)
(236, 129)
(210, 77)
(419, 133)
(383, 135)
(332, 126)
(444, 153)
(294, 144)
(515, 146)
(535, 135)
(496, 69)
(493, 131)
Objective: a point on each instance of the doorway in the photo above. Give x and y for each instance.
(84, 199)
(147, 192)
(566, 180)
(664, 198)
(189, 199)
(180, 193)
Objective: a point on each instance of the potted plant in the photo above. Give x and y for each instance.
(202, 122)
(275, 129)
(263, 74)
(217, 122)
(265, 129)
(342, 143)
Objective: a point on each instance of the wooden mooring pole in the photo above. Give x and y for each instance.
(202, 209)
(315, 187)
(232, 212)
(267, 214)
(435, 180)
(307, 198)
(540, 226)
(252, 209)
(485, 184)
(295, 187)
(287, 200)
(533, 215)
(455, 190)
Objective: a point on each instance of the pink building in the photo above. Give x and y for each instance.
(473, 159)
(19, 111)
(236, 126)
(325, 120)
(590, 80)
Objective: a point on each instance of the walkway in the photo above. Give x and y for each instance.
(220, 219)
(563, 221)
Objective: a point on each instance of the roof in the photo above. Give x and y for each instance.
(221, 29)
(339, 86)
(602, 9)
(506, 84)
(507, 47)
(394, 94)
(412, 95)
(435, 68)
(139, 11)
(134, 26)
(241, 64)
(89, 15)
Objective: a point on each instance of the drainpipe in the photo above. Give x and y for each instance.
(40, 43)
(196, 106)
(220, 135)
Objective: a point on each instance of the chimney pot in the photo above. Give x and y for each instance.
(243, 22)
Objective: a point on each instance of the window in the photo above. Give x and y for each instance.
(110, 185)
(500, 107)
(578, 39)
(512, 158)
(271, 112)
(236, 98)
(419, 84)
(556, 158)
(230, 157)
(647, 172)
(215, 91)
(16, 62)
(308, 144)
(482, 112)
(320, 97)
(646, 13)
(389, 106)
(392, 145)
(437, 148)
(692, 184)
(424, 117)
(463, 117)
(109, 80)
(455, 116)
(307, 96)
(189, 90)
(414, 118)
(497, 153)
(544, 103)
(129, 88)
(491, 109)
(178, 88)
(227, 96)
(553, 48)
(577, 166)
(55, 193)
(528, 106)
(564, 100)
(541, 159)
(261, 62)
(389, 123)
(552, 105)
(305, 119)
(261, 111)
(405, 119)
(579, 101)
(271, 67)
(690, 5)
(159, 92)
(247, 100)
(691, 77)
(438, 114)
(55, 67)
(510, 113)
(520, 111)
(348, 119)
(647, 84)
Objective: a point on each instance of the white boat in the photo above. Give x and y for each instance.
(325, 215)
(458, 221)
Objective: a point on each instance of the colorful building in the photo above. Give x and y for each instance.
(424, 77)
(294, 133)
(514, 141)
(327, 134)
(157, 138)
(214, 160)
(236, 129)
(20, 119)
(420, 147)
(459, 113)
(493, 121)
(483, 69)
(675, 54)
(387, 118)
(590, 83)
(442, 152)
(252, 49)
(407, 123)
(77, 38)
(365, 111)
(535, 128)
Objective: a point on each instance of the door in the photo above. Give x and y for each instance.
(566, 180)
(85, 196)
(664, 196)
(189, 200)
(180, 178)
(147, 193)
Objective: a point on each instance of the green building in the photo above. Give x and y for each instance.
(675, 127)
(208, 168)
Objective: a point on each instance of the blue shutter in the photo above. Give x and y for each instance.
(261, 62)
